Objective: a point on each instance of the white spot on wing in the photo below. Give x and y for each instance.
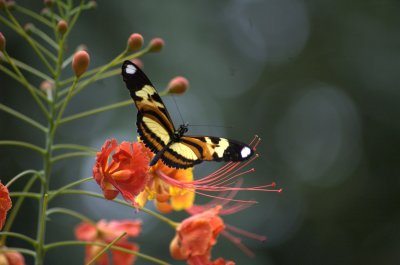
(246, 151)
(130, 69)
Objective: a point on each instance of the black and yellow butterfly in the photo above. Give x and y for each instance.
(158, 133)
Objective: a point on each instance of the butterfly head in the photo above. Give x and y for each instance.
(180, 132)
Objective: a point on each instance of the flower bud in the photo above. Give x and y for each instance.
(135, 42)
(48, 3)
(62, 27)
(178, 85)
(47, 87)
(45, 12)
(3, 4)
(156, 45)
(28, 27)
(92, 4)
(80, 62)
(10, 5)
(2, 42)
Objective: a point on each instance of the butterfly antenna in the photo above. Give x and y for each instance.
(210, 125)
(177, 107)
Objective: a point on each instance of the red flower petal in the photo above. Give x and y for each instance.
(5, 204)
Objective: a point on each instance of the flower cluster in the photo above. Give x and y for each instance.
(124, 169)
(127, 169)
(106, 232)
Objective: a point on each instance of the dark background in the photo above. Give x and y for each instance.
(317, 80)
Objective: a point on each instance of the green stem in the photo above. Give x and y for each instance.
(22, 117)
(31, 70)
(95, 111)
(33, 15)
(84, 243)
(93, 260)
(69, 155)
(71, 23)
(71, 213)
(40, 252)
(22, 32)
(23, 251)
(20, 175)
(73, 147)
(15, 209)
(27, 84)
(20, 236)
(19, 80)
(100, 196)
(65, 102)
(53, 194)
(24, 144)
(25, 195)
(44, 37)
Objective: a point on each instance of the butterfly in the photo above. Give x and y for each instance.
(171, 145)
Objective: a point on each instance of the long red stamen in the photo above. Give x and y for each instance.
(245, 233)
(238, 243)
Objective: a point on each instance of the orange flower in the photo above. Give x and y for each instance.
(9, 257)
(125, 171)
(196, 236)
(5, 204)
(167, 197)
(104, 232)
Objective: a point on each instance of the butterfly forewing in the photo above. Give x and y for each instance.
(153, 121)
(158, 133)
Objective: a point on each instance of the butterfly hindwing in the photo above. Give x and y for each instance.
(158, 133)
(191, 150)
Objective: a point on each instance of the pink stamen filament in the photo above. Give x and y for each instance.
(245, 233)
(238, 243)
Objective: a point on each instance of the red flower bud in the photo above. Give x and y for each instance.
(135, 42)
(48, 3)
(46, 85)
(80, 62)
(3, 4)
(178, 85)
(2, 42)
(156, 45)
(62, 27)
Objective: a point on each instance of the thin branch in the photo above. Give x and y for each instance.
(20, 236)
(22, 117)
(84, 243)
(95, 111)
(73, 147)
(24, 144)
(70, 155)
(34, 15)
(70, 213)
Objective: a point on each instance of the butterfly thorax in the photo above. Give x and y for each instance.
(179, 133)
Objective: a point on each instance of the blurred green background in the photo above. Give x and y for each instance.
(318, 81)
